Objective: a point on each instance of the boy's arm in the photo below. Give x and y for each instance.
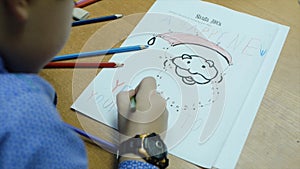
(33, 136)
(147, 115)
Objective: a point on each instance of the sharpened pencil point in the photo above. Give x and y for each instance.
(119, 64)
(144, 46)
(119, 15)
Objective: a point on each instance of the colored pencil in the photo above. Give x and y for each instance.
(103, 143)
(99, 52)
(95, 20)
(82, 65)
(84, 3)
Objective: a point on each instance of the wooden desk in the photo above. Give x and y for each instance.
(274, 140)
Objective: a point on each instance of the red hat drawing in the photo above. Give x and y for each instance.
(177, 38)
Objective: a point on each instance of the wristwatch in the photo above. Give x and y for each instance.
(150, 147)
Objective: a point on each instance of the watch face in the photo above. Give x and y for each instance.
(155, 147)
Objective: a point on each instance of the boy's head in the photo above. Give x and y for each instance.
(32, 32)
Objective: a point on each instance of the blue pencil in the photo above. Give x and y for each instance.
(95, 20)
(99, 52)
(103, 143)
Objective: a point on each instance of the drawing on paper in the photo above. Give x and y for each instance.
(194, 68)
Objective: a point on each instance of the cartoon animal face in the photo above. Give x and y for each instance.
(194, 69)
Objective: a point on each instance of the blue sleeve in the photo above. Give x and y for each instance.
(32, 136)
(133, 164)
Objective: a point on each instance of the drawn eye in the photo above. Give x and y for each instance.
(203, 66)
(188, 62)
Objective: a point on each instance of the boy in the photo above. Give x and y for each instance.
(32, 135)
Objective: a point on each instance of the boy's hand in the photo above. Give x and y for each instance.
(149, 114)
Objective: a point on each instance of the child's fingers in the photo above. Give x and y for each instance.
(123, 101)
(146, 87)
(156, 108)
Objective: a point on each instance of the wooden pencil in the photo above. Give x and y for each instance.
(101, 142)
(82, 65)
(85, 3)
(95, 20)
(100, 52)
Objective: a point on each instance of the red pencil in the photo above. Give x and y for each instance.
(85, 3)
(82, 65)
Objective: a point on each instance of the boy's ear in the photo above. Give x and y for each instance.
(18, 8)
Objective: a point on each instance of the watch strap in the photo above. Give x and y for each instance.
(131, 145)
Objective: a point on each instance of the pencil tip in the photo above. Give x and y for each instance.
(144, 46)
(118, 15)
(119, 64)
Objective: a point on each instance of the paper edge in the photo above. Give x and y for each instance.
(229, 158)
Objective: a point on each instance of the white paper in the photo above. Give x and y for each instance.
(211, 64)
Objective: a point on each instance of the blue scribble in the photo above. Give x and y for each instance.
(263, 52)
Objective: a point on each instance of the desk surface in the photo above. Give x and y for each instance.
(274, 140)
